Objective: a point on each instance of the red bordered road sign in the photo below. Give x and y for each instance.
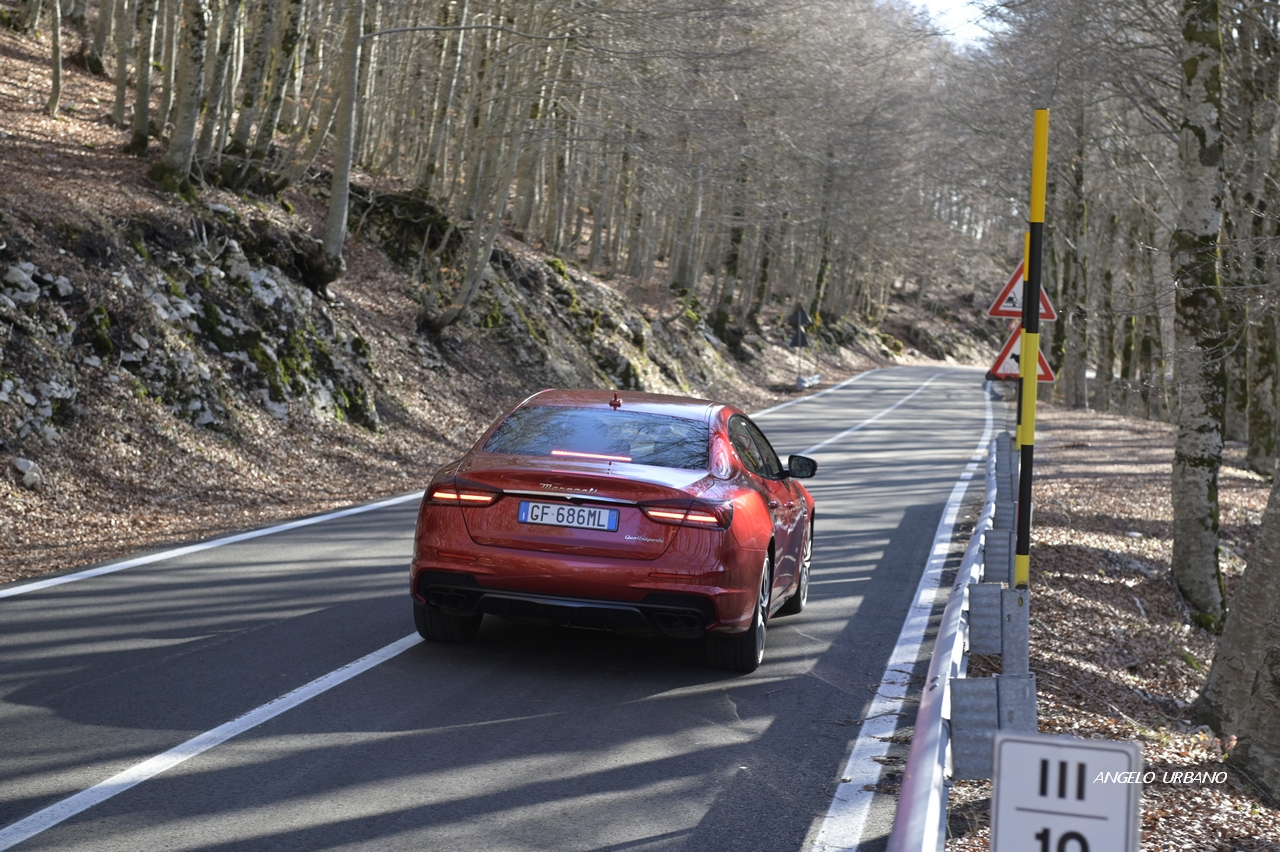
(1009, 302)
(1006, 366)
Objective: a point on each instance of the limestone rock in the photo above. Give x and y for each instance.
(20, 287)
(32, 476)
(236, 265)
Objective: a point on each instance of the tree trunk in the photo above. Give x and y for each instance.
(218, 83)
(259, 56)
(106, 17)
(281, 79)
(1242, 695)
(1264, 406)
(142, 88)
(1245, 640)
(124, 35)
(31, 14)
(1264, 338)
(335, 229)
(173, 171)
(169, 62)
(1103, 387)
(55, 93)
(1073, 381)
(299, 167)
(1198, 318)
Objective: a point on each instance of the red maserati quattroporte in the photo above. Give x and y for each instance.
(639, 513)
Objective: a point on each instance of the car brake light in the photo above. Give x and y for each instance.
(704, 514)
(666, 516)
(697, 517)
(451, 494)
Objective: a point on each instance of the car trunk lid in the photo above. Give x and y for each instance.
(555, 510)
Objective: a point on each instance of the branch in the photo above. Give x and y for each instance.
(394, 30)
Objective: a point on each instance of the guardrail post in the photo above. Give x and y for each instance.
(997, 556)
(1006, 467)
(1015, 631)
(1005, 514)
(985, 618)
(1016, 698)
(974, 715)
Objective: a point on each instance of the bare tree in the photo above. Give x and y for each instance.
(1199, 320)
(1240, 697)
(173, 170)
(335, 229)
(55, 94)
(142, 90)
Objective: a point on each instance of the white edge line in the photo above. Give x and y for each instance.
(60, 811)
(808, 397)
(12, 591)
(50, 816)
(24, 588)
(846, 819)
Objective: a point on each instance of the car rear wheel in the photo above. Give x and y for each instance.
(800, 597)
(436, 626)
(744, 651)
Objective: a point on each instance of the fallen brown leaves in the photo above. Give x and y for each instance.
(1114, 652)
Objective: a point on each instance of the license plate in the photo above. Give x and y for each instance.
(560, 515)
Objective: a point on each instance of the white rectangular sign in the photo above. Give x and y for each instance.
(1061, 794)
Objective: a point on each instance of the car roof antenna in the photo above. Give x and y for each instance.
(615, 403)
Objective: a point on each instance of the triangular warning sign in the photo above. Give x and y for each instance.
(1009, 302)
(1006, 365)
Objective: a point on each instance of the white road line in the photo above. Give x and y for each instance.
(834, 387)
(204, 545)
(846, 819)
(24, 588)
(60, 811)
(870, 420)
(45, 819)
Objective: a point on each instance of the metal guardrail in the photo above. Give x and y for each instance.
(920, 823)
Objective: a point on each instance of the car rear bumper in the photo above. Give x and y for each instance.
(686, 616)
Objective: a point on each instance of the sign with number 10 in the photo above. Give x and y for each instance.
(1061, 794)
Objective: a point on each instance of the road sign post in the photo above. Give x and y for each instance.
(1061, 794)
(1031, 343)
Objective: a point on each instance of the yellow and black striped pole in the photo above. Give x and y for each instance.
(1029, 362)
(1022, 345)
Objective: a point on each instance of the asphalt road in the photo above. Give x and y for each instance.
(531, 739)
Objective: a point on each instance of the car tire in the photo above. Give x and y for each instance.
(744, 651)
(436, 626)
(800, 597)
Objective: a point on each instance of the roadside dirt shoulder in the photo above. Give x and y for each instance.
(1112, 645)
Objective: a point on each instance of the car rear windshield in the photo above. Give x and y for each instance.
(593, 434)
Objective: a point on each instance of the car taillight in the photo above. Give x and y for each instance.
(461, 494)
(701, 513)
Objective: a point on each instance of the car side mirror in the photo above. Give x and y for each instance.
(801, 467)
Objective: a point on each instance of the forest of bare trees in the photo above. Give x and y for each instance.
(746, 152)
